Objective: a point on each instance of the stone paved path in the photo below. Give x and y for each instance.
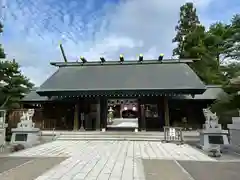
(190, 170)
(22, 168)
(107, 160)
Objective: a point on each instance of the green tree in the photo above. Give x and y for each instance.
(187, 23)
(232, 44)
(2, 54)
(215, 40)
(14, 85)
(231, 70)
(226, 106)
(194, 42)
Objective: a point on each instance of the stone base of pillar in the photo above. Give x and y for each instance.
(82, 129)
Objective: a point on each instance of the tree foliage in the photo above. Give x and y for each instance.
(187, 23)
(193, 41)
(2, 54)
(213, 47)
(14, 84)
(215, 40)
(232, 44)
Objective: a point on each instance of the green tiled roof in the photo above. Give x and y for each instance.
(158, 77)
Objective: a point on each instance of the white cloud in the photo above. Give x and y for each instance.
(131, 27)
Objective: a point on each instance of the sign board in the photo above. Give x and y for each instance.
(215, 139)
(172, 132)
(21, 137)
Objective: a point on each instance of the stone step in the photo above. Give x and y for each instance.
(109, 138)
(113, 135)
(128, 137)
(158, 136)
(45, 133)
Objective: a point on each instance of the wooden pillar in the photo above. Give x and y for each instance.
(166, 111)
(142, 114)
(76, 118)
(160, 112)
(103, 112)
(98, 121)
(139, 115)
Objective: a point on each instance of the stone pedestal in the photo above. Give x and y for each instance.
(26, 133)
(234, 130)
(3, 126)
(212, 136)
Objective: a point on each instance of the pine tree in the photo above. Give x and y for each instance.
(2, 54)
(15, 85)
(232, 44)
(194, 42)
(187, 24)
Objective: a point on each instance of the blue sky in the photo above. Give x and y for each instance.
(94, 28)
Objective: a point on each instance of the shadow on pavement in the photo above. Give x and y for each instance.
(212, 170)
(7, 163)
(26, 168)
(197, 170)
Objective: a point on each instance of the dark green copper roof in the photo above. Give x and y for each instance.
(212, 93)
(126, 77)
(32, 96)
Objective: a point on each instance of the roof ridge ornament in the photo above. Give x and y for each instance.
(140, 59)
(103, 60)
(160, 58)
(83, 59)
(63, 53)
(121, 58)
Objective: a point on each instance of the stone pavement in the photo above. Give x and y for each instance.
(22, 168)
(212, 170)
(9, 163)
(108, 160)
(190, 170)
